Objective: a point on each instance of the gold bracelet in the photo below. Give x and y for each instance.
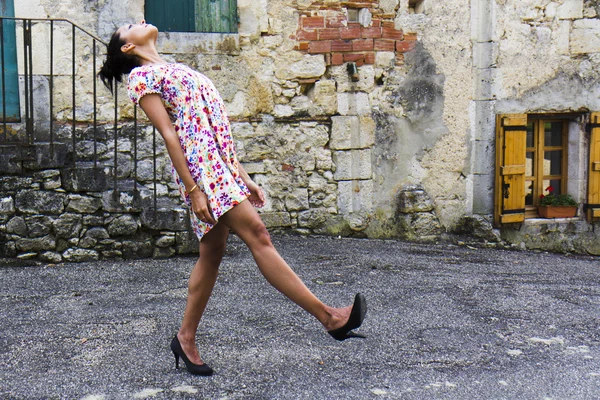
(191, 190)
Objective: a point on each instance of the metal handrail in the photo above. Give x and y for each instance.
(58, 20)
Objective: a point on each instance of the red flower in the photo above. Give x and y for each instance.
(550, 189)
(542, 196)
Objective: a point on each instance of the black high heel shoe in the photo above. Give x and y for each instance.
(194, 369)
(357, 315)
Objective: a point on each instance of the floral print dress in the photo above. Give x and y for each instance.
(199, 118)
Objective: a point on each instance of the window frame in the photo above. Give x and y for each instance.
(539, 149)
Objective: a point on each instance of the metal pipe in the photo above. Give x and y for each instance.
(25, 77)
(32, 116)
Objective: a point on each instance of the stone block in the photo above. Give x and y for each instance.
(84, 179)
(46, 174)
(297, 200)
(186, 242)
(276, 219)
(352, 164)
(38, 225)
(313, 219)
(384, 59)
(97, 233)
(323, 159)
(413, 199)
(324, 97)
(87, 242)
(125, 225)
(483, 157)
(7, 205)
(166, 241)
(141, 249)
(353, 103)
(310, 66)
(355, 196)
(283, 110)
(352, 132)
(127, 200)
(9, 163)
(80, 255)
(570, 9)
(67, 226)
(169, 219)
(36, 244)
(17, 226)
(83, 204)
(45, 155)
(10, 183)
(585, 36)
(51, 257)
(40, 202)
(421, 225)
(483, 189)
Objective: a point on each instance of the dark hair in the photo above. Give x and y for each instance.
(117, 63)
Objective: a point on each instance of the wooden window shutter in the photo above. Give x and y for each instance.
(511, 142)
(216, 16)
(171, 16)
(593, 206)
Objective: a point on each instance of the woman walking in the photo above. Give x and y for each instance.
(188, 112)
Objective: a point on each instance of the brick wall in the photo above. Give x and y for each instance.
(330, 33)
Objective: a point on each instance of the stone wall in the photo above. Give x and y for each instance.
(55, 210)
(403, 149)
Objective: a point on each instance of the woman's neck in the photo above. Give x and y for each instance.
(148, 55)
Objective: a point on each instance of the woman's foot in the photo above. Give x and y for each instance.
(355, 316)
(337, 317)
(189, 348)
(193, 368)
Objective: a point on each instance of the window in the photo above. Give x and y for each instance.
(193, 15)
(546, 160)
(532, 154)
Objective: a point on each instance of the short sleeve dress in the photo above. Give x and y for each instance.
(199, 118)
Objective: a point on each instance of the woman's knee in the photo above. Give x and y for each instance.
(259, 232)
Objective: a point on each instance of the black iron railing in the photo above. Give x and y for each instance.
(39, 37)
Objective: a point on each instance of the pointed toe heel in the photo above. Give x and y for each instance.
(357, 316)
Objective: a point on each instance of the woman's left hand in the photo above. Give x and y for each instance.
(257, 197)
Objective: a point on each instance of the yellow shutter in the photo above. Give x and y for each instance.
(593, 199)
(511, 145)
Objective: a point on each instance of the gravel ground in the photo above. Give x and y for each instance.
(444, 322)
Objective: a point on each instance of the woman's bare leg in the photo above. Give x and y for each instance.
(200, 286)
(246, 223)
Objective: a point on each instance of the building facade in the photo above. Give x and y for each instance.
(412, 119)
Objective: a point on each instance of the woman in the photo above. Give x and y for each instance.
(186, 109)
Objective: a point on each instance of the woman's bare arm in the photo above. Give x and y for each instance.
(155, 110)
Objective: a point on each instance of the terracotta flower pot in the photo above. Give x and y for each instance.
(557, 211)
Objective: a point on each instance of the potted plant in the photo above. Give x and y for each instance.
(557, 205)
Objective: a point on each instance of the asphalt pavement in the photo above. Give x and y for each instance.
(444, 322)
